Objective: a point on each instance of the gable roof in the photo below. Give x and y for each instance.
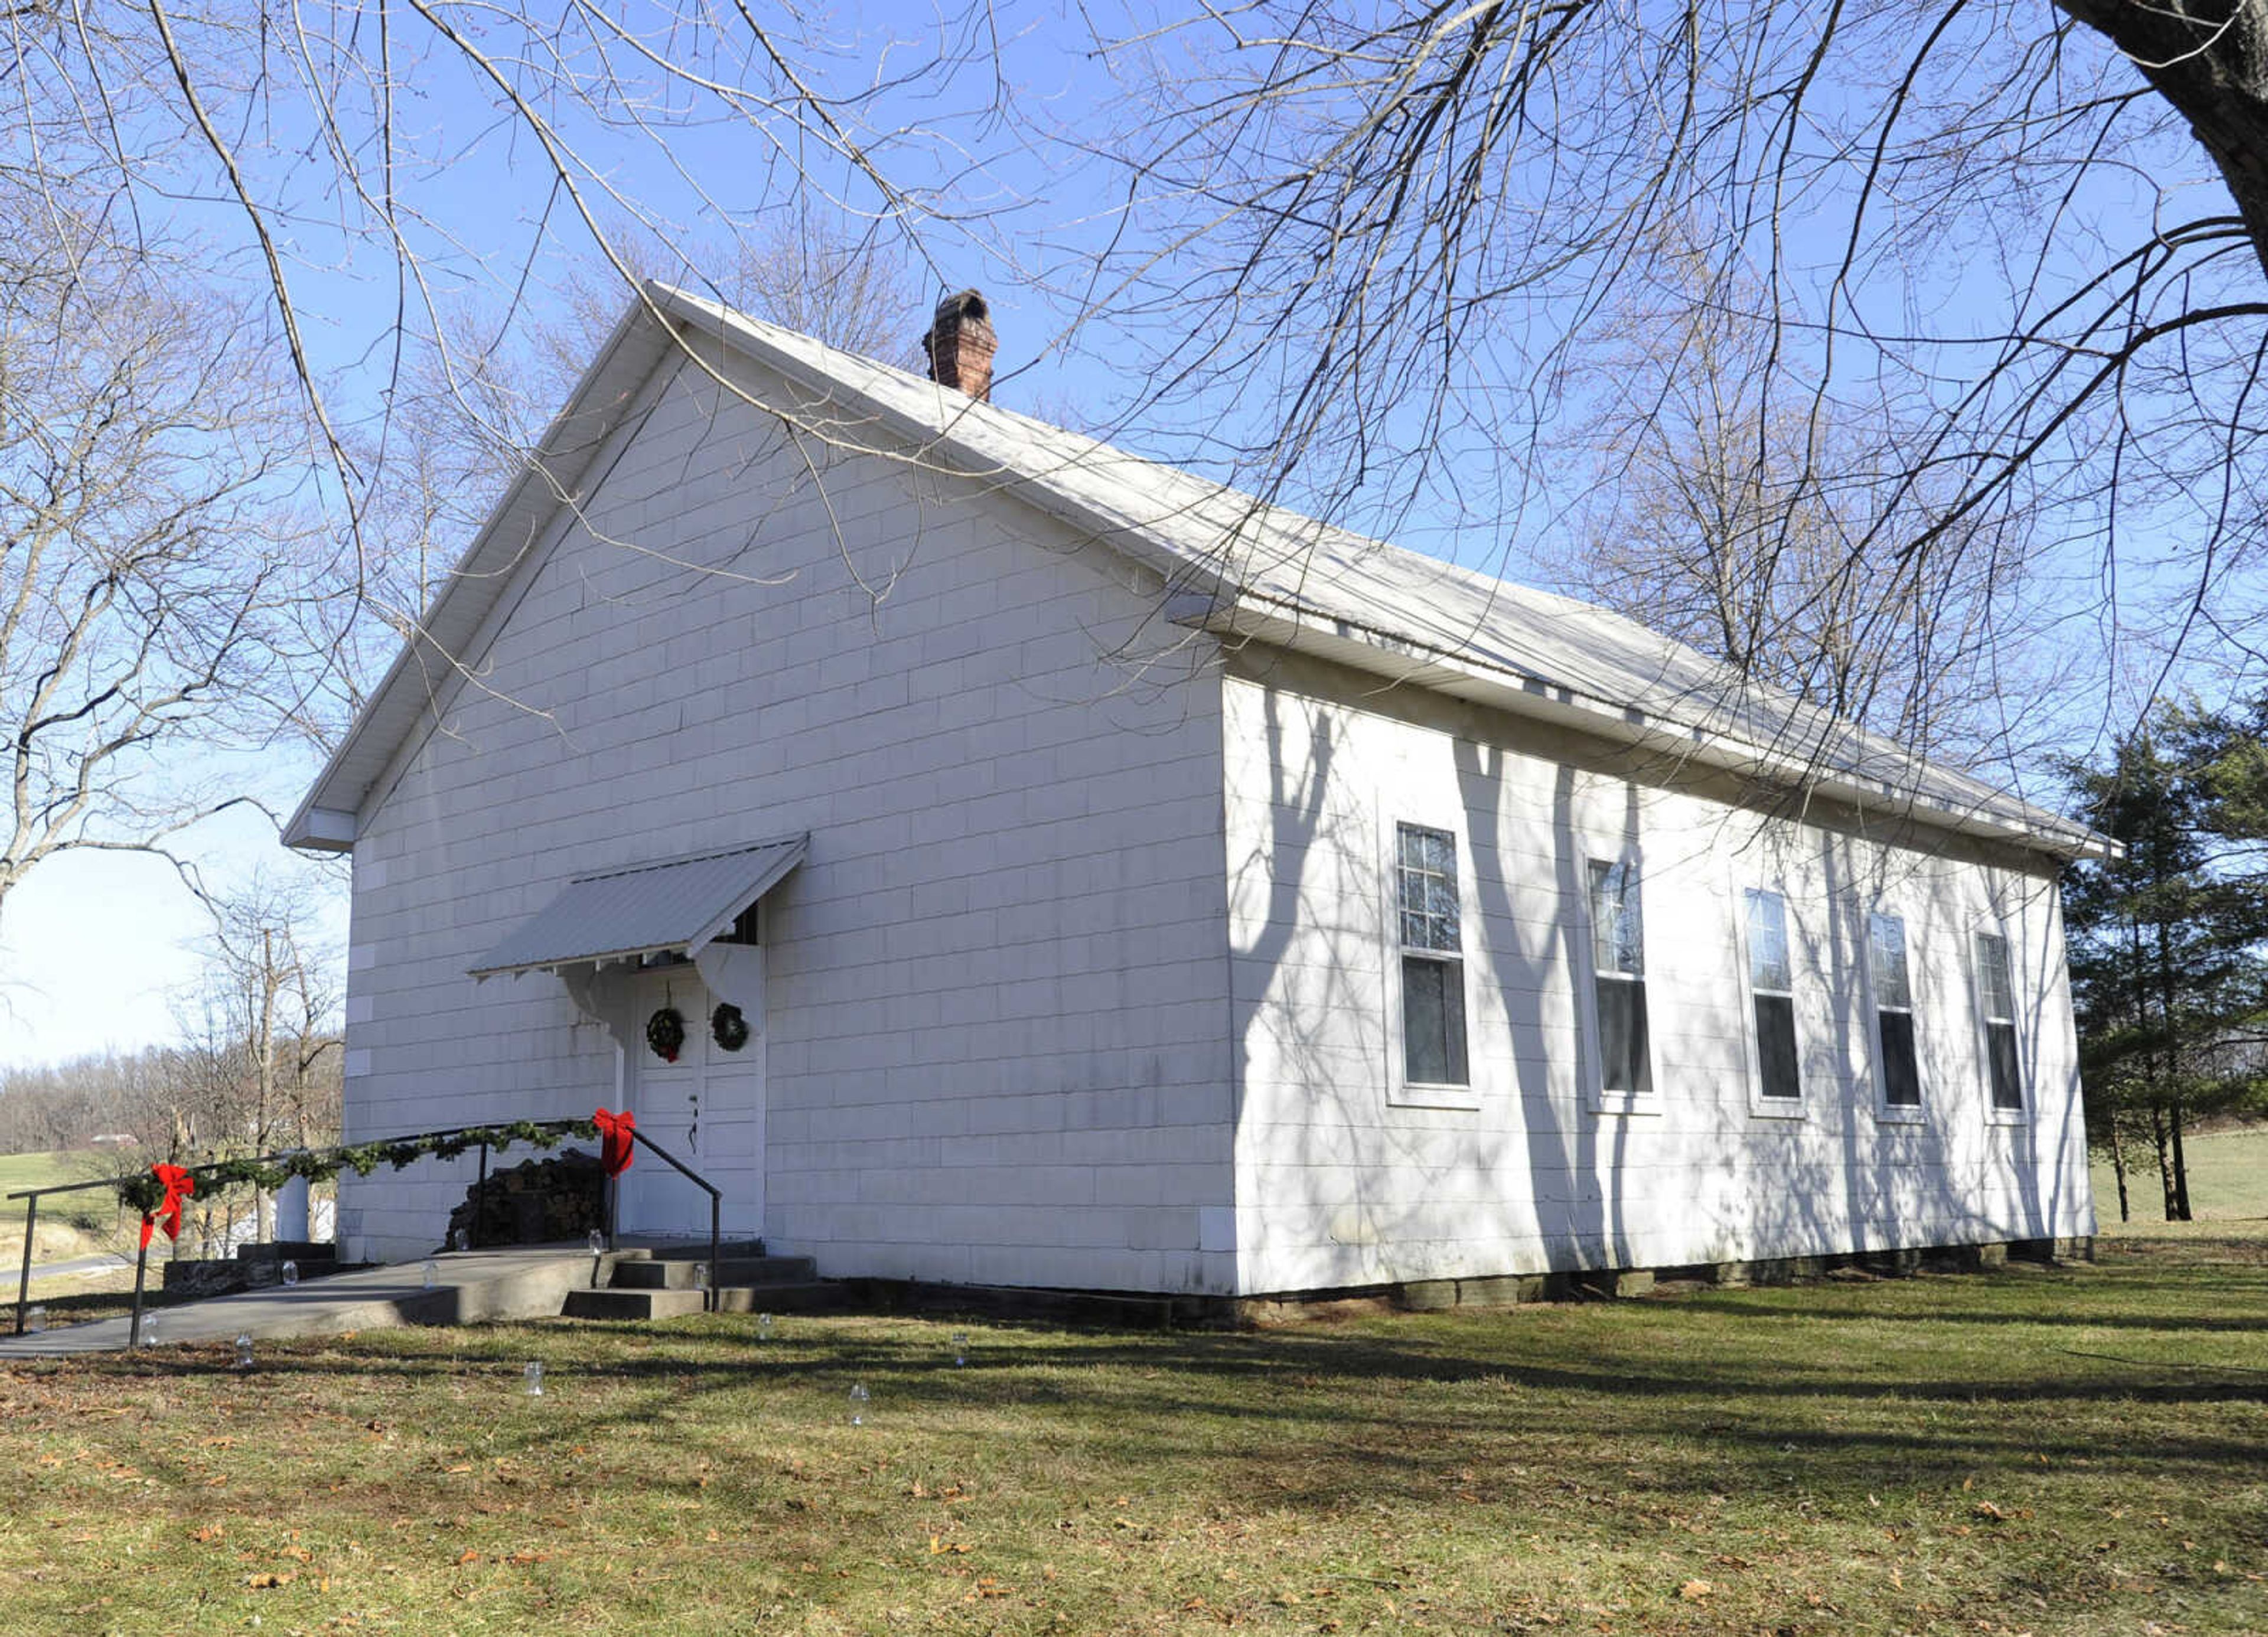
(1234, 565)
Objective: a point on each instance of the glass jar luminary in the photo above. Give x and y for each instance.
(534, 1375)
(700, 1275)
(598, 1243)
(291, 1272)
(860, 1398)
(959, 1349)
(763, 1326)
(459, 1239)
(35, 1318)
(149, 1330)
(244, 1352)
(433, 1273)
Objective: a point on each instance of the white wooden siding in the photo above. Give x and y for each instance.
(1338, 1186)
(997, 1036)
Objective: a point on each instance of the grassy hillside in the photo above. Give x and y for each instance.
(70, 1224)
(42, 1171)
(2229, 1188)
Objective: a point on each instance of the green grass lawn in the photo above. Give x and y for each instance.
(42, 1171)
(2074, 1451)
(2228, 1183)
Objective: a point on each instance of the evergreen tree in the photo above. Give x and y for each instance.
(2166, 941)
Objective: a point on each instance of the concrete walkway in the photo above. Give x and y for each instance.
(523, 1281)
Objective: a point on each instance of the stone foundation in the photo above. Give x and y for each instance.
(1624, 1284)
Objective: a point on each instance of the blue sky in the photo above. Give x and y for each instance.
(92, 948)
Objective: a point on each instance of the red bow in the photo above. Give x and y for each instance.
(178, 1185)
(615, 1151)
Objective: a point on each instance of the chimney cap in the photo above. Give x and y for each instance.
(964, 305)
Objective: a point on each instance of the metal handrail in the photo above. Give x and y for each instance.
(140, 1269)
(715, 1209)
(480, 1198)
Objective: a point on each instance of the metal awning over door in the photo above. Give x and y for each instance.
(672, 907)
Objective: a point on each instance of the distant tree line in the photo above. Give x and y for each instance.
(2169, 943)
(256, 1067)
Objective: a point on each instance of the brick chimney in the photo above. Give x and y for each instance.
(960, 344)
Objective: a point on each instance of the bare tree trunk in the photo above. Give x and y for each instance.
(2165, 1160)
(263, 1056)
(2209, 58)
(2180, 1192)
(2118, 1167)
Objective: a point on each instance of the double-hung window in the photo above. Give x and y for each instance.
(1618, 980)
(1432, 957)
(1996, 995)
(1771, 993)
(1897, 1063)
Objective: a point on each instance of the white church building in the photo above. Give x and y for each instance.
(1065, 872)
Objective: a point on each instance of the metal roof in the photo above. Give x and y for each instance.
(646, 909)
(1240, 567)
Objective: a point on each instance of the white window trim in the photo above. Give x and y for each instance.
(1596, 1099)
(1760, 1106)
(1400, 1091)
(1994, 1115)
(1887, 1113)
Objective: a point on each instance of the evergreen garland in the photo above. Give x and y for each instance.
(143, 1192)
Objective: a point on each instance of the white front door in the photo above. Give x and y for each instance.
(707, 1108)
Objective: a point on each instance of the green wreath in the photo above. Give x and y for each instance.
(665, 1032)
(727, 1027)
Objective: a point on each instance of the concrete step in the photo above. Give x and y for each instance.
(647, 1274)
(632, 1304)
(814, 1296)
(687, 1249)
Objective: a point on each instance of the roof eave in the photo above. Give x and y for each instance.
(1400, 660)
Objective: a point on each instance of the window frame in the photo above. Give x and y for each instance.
(1401, 1092)
(1996, 1112)
(1886, 1112)
(1763, 1107)
(1596, 1099)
